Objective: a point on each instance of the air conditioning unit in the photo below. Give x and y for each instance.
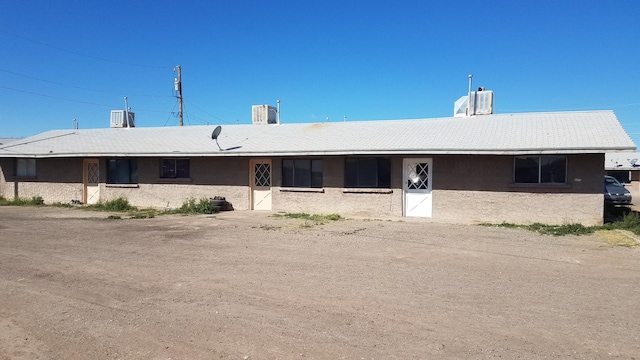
(481, 104)
(264, 114)
(119, 119)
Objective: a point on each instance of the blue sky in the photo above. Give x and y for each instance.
(366, 60)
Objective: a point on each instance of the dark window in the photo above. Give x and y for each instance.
(122, 171)
(623, 176)
(367, 173)
(175, 168)
(540, 169)
(302, 173)
(26, 167)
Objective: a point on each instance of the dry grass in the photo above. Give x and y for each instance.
(618, 238)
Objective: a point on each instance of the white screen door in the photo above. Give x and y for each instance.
(91, 181)
(261, 184)
(416, 188)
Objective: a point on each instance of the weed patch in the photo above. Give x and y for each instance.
(621, 233)
(116, 205)
(629, 222)
(191, 206)
(317, 218)
(33, 201)
(143, 214)
(556, 230)
(309, 220)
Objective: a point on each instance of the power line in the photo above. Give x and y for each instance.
(54, 97)
(204, 111)
(78, 87)
(76, 101)
(84, 55)
(171, 113)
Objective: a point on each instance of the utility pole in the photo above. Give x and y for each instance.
(178, 87)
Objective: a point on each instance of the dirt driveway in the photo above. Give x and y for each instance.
(244, 285)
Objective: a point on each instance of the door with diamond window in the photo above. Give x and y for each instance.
(91, 181)
(416, 188)
(260, 184)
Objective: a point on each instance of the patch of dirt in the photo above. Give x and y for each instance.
(244, 285)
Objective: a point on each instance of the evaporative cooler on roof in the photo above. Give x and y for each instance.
(481, 104)
(119, 119)
(264, 114)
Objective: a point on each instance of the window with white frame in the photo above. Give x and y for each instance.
(25, 167)
(540, 169)
(175, 168)
(302, 173)
(367, 172)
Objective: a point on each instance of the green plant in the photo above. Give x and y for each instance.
(18, 201)
(556, 230)
(203, 206)
(312, 217)
(119, 205)
(37, 200)
(333, 217)
(143, 213)
(629, 222)
(561, 230)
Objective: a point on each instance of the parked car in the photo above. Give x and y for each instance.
(615, 193)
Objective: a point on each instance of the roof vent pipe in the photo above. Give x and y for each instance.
(469, 95)
(126, 113)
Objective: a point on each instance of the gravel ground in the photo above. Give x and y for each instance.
(247, 285)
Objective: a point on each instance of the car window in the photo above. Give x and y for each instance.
(611, 181)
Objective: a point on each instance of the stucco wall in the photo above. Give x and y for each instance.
(465, 188)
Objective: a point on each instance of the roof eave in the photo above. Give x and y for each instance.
(381, 152)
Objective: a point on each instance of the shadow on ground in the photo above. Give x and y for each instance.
(613, 213)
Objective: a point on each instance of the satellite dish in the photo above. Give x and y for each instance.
(216, 132)
(214, 135)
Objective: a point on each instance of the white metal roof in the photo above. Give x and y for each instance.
(525, 133)
(622, 161)
(6, 141)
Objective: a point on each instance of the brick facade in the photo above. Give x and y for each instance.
(466, 188)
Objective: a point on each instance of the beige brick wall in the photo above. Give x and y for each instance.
(335, 200)
(174, 195)
(465, 188)
(209, 177)
(518, 208)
